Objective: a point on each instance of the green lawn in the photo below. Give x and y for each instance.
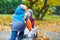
(5, 15)
(52, 17)
(49, 17)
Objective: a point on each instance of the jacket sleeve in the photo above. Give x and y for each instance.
(28, 23)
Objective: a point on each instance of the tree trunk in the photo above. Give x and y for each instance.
(44, 8)
(36, 15)
(44, 12)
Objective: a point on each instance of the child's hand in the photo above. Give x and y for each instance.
(25, 22)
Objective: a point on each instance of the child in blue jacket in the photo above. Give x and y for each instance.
(18, 24)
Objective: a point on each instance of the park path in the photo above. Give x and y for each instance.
(5, 35)
(51, 35)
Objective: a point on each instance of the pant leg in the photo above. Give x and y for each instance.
(13, 35)
(21, 34)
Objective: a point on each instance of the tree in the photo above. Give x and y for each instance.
(41, 7)
(8, 6)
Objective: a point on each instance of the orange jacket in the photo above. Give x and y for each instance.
(28, 24)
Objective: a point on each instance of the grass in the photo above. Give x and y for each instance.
(52, 17)
(47, 17)
(1, 15)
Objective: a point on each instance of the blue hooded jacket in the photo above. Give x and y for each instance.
(18, 15)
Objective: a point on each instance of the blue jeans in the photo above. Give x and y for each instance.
(14, 35)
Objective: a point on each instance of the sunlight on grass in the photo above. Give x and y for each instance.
(5, 15)
(52, 17)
